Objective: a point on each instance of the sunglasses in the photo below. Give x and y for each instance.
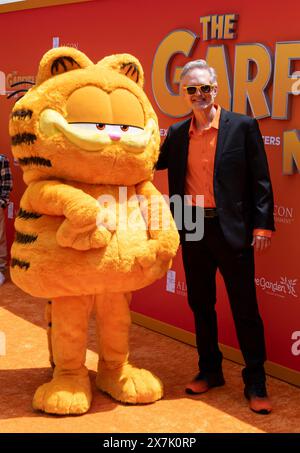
(192, 89)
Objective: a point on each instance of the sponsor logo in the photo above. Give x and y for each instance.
(295, 349)
(2, 83)
(181, 288)
(171, 281)
(283, 214)
(282, 288)
(10, 210)
(12, 82)
(56, 43)
(175, 286)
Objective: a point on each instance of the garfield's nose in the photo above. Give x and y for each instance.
(114, 137)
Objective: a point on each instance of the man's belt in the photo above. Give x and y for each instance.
(210, 212)
(207, 212)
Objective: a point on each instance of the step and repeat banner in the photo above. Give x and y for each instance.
(256, 52)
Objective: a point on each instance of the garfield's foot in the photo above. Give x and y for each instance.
(129, 384)
(65, 394)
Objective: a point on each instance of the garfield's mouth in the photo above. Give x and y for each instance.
(93, 136)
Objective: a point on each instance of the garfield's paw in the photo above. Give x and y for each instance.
(84, 238)
(167, 246)
(66, 394)
(165, 255)
(95, 239)
(147, 255)
(130, 385)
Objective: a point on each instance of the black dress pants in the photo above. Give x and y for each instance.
(201, 260)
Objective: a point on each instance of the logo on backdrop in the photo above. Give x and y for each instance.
(56, 43)
(283, 214)
(245, 92)
(175, 286)
(15, 82)
(281, 288)
(12, 82)
(271, 140)
(8, 80)
(295, 349)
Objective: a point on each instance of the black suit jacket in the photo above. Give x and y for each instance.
(242, 186)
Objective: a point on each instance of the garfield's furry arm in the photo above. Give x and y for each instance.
(56, 198)
(79, 230)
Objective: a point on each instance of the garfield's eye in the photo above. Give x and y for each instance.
(100, 126)
(105, 129)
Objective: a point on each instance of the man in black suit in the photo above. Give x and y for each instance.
(220, 154)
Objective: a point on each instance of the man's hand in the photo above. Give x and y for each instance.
(261, 242)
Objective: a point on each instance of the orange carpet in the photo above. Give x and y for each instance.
(222, 410)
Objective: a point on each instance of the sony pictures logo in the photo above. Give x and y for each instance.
(173, 286)
(282, 288)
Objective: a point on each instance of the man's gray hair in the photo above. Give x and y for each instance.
(201, 64)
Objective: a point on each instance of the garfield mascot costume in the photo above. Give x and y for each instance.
(91, 227)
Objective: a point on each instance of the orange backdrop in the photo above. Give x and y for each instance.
(100, 28)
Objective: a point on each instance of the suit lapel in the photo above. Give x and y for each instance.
(183, 156)
(222, 135)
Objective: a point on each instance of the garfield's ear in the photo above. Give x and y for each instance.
(125, 64)
(59, 60)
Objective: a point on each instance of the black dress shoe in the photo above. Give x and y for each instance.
(203, 382)
(256, 394)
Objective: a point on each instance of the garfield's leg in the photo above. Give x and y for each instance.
(69, 391)
(115, 375)
(48, 318)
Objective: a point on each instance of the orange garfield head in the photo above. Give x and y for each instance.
(86, 122)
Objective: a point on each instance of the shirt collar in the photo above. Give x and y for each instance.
(215, 122)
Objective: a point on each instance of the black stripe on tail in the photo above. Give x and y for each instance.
(20, 263)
